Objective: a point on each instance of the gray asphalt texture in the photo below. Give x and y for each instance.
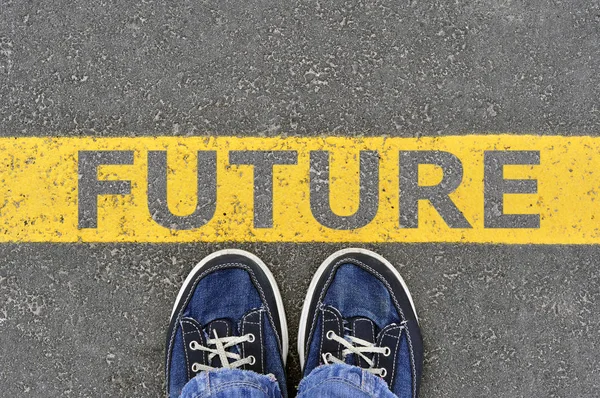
(502, 321)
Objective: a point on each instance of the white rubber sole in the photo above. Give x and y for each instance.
(317, 277)
(282, 319)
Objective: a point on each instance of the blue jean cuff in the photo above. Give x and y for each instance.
(222, 382)
(354, 381)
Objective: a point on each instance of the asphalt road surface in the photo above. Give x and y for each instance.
(498, 320)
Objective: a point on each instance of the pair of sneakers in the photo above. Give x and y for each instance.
(358, 311)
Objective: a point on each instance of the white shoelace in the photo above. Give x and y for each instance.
(359, 347)
(222, 344)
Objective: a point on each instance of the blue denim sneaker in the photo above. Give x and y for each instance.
(359, 311)
(228, 314)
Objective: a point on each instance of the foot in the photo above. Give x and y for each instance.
(359, 311)
(228, 314)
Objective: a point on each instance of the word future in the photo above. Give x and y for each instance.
(367, 178)
(502, 189)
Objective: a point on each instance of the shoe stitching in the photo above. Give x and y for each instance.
(259, 311)
(354, 324)
(413, 369)
(220, 267)
(412, 361)
(262, 350)
(387, 334)
(199, 332)
(372, 331)
(399, 328)
(337, 324)
(320, 306)
(242, 333)
(387, 285)
(340, 328)
(383, 334)
(190, 293)
(212, 328)
(322, 333)
(187, 361)
(356, 321)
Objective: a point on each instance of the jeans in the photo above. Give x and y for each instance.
(329, 381)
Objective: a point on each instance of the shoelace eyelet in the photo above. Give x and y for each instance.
(194, 345)
(252, 360)
(329, 335)
(251, 338)
(387, 352)
(195, 367)
(383, 372)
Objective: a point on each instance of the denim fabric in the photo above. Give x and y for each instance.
(413, 329)
(330, 381)
(227, 293)
(343, 381)
(368, 297)
(403, 381)
(227, 383)
(371, 299)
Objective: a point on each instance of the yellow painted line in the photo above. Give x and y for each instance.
(42, 179)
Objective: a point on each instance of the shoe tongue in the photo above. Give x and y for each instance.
(223, 328)
(365, 329)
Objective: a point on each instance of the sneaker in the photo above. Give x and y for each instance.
(228, 314)
(358, 311)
